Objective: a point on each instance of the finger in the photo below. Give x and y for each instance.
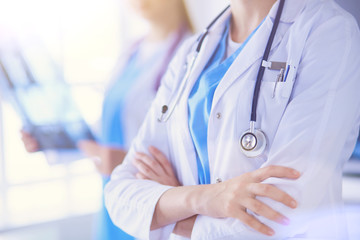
(144, 169)
(96, 160)
(151, 162)
(81, 144)
(31, 147)
(25, 134)
(255, 224)
(28, 138)
(85, 145)
(275, 171)
(98, 164)
(267, 190)
(90, 148)
(162, 159)
(264, 210)
(141, 176)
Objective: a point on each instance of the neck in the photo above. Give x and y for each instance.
(246, 16)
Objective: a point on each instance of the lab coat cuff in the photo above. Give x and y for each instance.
(161, 233)
(208, 228)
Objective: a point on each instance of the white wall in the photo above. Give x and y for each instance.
(352, 6)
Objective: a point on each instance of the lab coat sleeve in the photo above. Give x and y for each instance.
(131, 202)
(316, 134)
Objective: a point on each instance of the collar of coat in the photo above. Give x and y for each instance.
(292, 9)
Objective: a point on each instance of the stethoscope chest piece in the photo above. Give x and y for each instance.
(252, 143)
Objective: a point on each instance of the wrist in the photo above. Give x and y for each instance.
(198, 199)
(184, 228)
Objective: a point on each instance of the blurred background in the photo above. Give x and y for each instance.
(83, 40)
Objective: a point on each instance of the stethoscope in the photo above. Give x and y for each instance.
(253, 141)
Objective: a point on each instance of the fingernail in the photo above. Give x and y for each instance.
(153, 149)
(293, 204)
(285, 221)
(270, 232)
(296, 173)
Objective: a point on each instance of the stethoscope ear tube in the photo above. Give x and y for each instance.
(206, 31)
(165, 115)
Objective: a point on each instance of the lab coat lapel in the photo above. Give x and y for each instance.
(209, 45)
(207, 50)
(251, 53)
(256, 46)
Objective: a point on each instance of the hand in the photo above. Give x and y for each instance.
(30, 143)
(158, 168)
(105, 158)
(232, 198)
(155, 167)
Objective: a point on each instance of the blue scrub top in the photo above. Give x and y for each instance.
(113, 134)
(200, 101)
(112, 119)
(356, 153)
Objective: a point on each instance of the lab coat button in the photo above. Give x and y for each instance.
(218, 115)
(218, 180)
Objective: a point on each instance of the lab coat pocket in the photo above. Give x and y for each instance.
(281, 82)
(289, 79)
(286, 90)
(281, 90)
(272, 103)
(273, 97)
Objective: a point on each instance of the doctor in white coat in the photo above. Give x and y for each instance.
(308, 109)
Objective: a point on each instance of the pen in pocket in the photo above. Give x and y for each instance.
(286, 72)
(280, 78)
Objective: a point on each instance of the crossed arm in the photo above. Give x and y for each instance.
(231, 198)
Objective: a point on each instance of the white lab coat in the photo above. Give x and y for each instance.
(311, 125)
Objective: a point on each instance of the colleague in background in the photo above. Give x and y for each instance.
(307, 109)
(131, 92)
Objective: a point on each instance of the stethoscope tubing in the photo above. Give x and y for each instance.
(169, 109)
(265, 58)
(207, 29)
(173, 103)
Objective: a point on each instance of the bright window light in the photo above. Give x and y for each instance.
(86, 193)
(22, 167)
(37, 202)
(83, 38)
